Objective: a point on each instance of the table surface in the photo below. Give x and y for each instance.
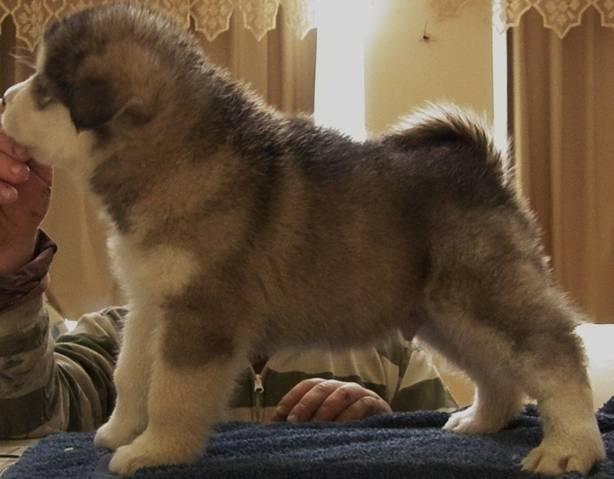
(12, 448)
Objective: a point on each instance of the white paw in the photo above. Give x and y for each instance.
(128, 459)
(114, 434)
(474, 421)
(575, 453)
(149, 451)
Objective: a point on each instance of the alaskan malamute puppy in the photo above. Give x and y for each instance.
(236, 229)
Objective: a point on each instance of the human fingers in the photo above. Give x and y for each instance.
(35, 194)
(8, 194)
(10, 148)
(6, 144)
(307, 407)
(366, 406)
(341, 399)
(12, 170)
(292, 397)
(12, 173)
(44, 173)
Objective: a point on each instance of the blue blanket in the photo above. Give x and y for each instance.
(393, 446)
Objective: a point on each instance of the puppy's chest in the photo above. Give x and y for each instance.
(155, 271)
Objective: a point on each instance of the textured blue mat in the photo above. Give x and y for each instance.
(394, 446)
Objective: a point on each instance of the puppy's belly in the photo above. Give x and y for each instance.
(336, 324)
(340, 295)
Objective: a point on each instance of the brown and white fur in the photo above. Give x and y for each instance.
(237, 229)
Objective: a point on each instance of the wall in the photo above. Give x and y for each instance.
(403, 70)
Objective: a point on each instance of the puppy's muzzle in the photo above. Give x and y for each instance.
(11, 92)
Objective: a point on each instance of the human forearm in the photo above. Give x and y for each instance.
(27, 392)
(48, 386)
(29, 280)
(14, 257)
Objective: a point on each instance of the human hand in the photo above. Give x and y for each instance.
(318, 399)
(25, 188)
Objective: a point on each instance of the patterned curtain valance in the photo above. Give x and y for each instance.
(558, 15)
(212, 17)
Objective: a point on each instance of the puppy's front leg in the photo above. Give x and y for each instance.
(186, 396)
(131, 380)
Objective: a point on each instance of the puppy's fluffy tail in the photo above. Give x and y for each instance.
(438, 124)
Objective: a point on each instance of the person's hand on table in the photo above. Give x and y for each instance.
(320, 399)
(25, 188)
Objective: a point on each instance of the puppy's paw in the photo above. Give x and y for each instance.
(128, 459)
(114, 434)
(474, 421)
(146, 451)
(560, 455)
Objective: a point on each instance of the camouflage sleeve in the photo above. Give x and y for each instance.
(31, 280)
(85, 359)
(420, 386)
(49, 385)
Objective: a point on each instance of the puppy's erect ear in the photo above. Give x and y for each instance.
(95, 102)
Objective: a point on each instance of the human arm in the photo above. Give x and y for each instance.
(49, 384)
(45, 385)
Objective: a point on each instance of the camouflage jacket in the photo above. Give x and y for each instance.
(56, 375)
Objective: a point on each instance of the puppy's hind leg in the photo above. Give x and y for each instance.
(538, 354)
(189, 387)
(493, 302)
(494, 404)
(497, 396)
(554, 373)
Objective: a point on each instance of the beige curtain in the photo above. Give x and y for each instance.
(280, 67)
(563, 120)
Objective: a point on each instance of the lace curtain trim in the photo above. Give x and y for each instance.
(212, 17)
(558, 15)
